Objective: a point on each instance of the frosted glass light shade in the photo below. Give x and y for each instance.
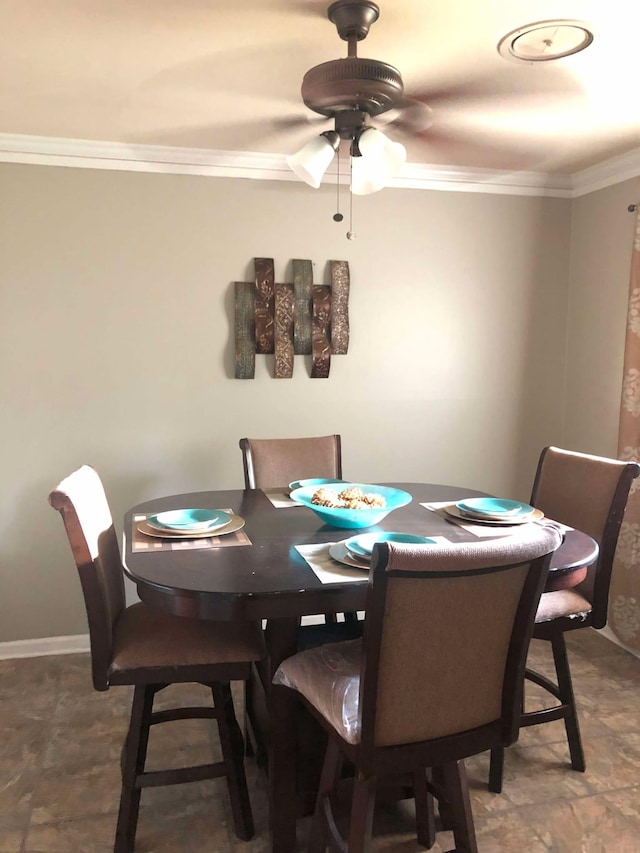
(380, 160)
(312, 161)
(364, 179)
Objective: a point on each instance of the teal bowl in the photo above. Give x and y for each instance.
(354, 518)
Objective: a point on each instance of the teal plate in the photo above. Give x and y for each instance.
(497, 507)
(314, 481)
(189, 519)
(362, 545)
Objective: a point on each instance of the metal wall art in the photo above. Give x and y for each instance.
(284, 320)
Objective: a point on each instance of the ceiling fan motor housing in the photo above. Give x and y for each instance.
(353, 83)
(353, 18)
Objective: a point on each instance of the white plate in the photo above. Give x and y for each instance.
(339, 552)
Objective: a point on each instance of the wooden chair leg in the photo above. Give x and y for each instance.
(425, 818)
(248, 714)
(322, 822)
(567, 698)
(444, 810)
(454, 776)
(362, 807)
(496, 769)
(232, 745)
(572, 728)
(134, 754)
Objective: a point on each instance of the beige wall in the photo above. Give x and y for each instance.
(116, 335)
(601, 243)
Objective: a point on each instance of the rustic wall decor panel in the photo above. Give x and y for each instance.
(291, 319)
(245, 306)
(284, 303)
(320, 346)
(265, 279)
(339, 307)
(302, 283)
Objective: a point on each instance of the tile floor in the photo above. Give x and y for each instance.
(59, 770)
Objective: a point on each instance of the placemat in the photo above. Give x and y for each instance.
(280, 499)
(325, 567)
(327, 570)
(142, 542)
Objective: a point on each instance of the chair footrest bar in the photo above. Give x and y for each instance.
(180, 775)
(172, 714)
(543, 682)
(544, 715)
(334, 833)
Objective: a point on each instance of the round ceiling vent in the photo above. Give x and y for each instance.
(545, 41)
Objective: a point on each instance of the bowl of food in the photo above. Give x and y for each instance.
(351, 505)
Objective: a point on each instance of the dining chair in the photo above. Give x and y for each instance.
(590, 494)
(413, 697)
(150, 650)
(270, 463)
(273, 462)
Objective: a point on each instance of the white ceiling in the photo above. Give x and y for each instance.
(222, 74)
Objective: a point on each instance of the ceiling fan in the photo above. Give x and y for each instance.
(446, 111)
(352, 91)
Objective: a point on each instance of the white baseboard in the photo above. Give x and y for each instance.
(44, 646)
(80, 643)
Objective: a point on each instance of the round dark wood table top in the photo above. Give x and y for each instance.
(267, 578)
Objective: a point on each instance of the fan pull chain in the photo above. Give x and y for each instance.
(337, 216)
(350, 233)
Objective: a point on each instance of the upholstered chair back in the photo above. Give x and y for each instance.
(589, 493)
(273, 462)
(82, 503)
(446, 635)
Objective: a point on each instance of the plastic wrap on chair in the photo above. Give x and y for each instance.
(329, 678)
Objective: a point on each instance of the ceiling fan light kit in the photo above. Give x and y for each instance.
(351, 91)
(380, 159)
(312, 161)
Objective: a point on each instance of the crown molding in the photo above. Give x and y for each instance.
(459, 179)
(605, 174)
(93, 154)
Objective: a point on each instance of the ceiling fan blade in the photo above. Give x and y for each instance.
(272, 71)
(478, 148)
(315, 8)
(411, 117)
(256, 134)
(498, 86)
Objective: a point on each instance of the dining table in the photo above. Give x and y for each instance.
(274, 567)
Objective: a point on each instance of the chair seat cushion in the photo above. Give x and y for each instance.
(329, 679)
(146, 638)
(562, 603)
